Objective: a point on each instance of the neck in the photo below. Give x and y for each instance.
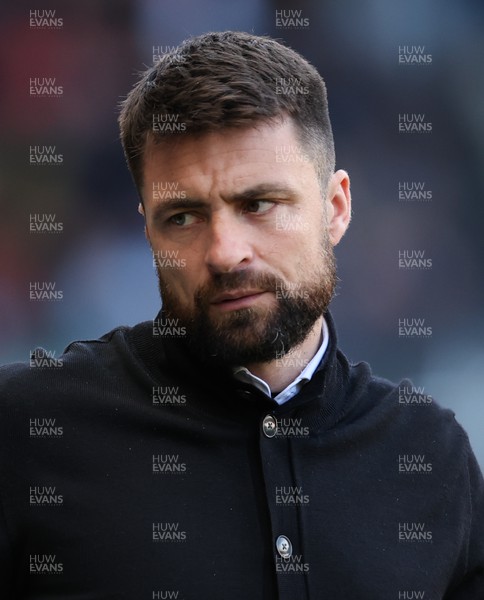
(280, 372)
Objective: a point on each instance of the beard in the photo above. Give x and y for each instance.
(254, 334)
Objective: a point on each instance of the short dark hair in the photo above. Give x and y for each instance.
(228, 79)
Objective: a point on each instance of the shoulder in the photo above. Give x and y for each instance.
(47, 374)
(404, 412)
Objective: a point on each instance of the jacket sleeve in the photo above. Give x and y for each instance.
(7, 565)
(471, 585)
(6, 562)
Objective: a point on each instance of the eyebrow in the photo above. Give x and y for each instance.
(258, 191)
(264, 189)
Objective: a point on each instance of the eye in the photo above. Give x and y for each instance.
(182, 219)
(258, 206)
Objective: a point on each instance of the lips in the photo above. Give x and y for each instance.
(236, 299)
(235, 295)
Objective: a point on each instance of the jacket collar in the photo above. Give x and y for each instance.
(322, 401)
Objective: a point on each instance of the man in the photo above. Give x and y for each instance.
(228, 449)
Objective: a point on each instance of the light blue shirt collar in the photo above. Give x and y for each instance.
(243, 374)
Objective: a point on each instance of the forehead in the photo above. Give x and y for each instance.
(230, 159)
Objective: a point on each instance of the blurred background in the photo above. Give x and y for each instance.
(380, 59)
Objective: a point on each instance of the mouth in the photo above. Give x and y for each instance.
(236, 299)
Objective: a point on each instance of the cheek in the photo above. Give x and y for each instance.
(299, 222)
(177, 268)
(182, 281)
(297, 252)
(294, 238)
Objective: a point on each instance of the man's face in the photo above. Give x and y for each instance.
(242, 235)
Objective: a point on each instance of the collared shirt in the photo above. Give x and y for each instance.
(243, 374)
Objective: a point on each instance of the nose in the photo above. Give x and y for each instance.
(229, 246)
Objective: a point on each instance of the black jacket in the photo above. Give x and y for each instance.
(130, 470)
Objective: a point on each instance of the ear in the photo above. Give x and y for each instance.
(339, 205)
(141, 211)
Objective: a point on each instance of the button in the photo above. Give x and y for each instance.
(284, 546)
(269, 426)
